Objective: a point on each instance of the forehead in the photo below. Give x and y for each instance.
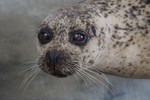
(70, 18)
(79, 11)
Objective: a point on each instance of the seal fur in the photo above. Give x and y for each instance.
(119, 42)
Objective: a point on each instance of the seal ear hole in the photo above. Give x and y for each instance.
(45, 35)
(78, 37)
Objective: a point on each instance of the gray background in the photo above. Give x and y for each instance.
(18, 22)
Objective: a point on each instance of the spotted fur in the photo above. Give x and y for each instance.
(119, 32)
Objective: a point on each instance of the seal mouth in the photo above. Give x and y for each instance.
(62, 74)
(58, 64)
(58, 74)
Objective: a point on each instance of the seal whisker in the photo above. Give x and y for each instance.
(103, 76)
(34, 75)
(101, 73)
(26, 69)
(29, 75)
(94, 71)
(30, 63)
(90, 69)
(74, 75)
(89, 77)
(82, 77)
(34, 61)
(28, 66)
(33, 69)
(97, 81)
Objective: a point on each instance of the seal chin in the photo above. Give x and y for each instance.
(60, 75)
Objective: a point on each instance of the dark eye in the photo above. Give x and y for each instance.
(78, 37)
(45, 35)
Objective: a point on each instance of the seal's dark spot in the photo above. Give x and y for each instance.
(86, 50)
(141, 62)
(131, 39)
(114, 36)
(93, 30)
(148, 21)
(105, 15)
(114, 45)
(142, 6)
(126, 45)
(129, 4)
(91, 62)
(125, 15)
(147, 12)
(130, 64)
(119, 70)
(99, 42)
(146, 32)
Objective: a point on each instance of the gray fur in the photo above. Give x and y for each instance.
(121, 44)
(17, 29)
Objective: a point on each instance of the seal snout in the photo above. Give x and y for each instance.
(53, 59)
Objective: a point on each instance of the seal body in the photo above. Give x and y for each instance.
(118, 40)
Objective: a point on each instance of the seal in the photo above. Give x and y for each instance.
(110, 36)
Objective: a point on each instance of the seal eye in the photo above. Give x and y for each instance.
(78, 37)
(45, 35)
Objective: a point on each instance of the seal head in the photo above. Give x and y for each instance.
(71, 39)
(111, 36)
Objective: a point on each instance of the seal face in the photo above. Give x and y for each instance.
(111, 36)
(68, 42)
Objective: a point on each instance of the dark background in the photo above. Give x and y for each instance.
(18, 23)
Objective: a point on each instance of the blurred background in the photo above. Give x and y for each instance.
(18, 23)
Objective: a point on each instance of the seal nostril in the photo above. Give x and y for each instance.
(57, 57)
(52, 59)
